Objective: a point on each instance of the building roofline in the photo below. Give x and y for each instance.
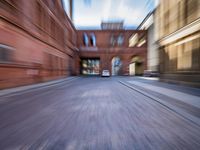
(145, 19)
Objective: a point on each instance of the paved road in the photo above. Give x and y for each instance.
(92, 113)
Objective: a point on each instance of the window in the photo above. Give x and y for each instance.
(85, 39)
(133, 40)
(41, 17)
(116, 40)
(112, 40)
(120, 40)
(192, 10)
(53, 28)
(39, 14)
(93, 39)
(5, 53)
(90, 66)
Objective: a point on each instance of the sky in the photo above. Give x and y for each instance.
(88, 14)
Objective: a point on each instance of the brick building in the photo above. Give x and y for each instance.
(37, 42)
(112, 49)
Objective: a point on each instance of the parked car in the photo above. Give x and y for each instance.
(105, 73)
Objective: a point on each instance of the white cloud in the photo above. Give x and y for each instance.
(131, 11)
(106, 9)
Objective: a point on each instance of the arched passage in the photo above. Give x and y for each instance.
(136, 67)
(116, 65)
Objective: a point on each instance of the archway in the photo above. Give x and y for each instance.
(136, 67)
(116, 66)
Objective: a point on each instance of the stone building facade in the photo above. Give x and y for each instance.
(152, 47)
(178, 28)
(37, 42)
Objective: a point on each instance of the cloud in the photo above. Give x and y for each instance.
(87, 3)
(106, 9)
(131, 11)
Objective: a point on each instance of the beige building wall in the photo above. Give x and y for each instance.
(178, 33)
(152, 46)
(152, 50)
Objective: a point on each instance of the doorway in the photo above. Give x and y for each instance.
(136, 67)
(90, 66)
(116, 66)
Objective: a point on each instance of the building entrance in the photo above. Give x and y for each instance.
(116, 66)
(136, 66)
(90, 66)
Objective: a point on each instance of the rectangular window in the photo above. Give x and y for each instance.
(90, 66)
(39, 10)
(53, 28)
(5, 53)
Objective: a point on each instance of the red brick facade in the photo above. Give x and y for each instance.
(105, 50)
(37, 42)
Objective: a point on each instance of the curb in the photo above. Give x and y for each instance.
(170, 107)
(27, 88)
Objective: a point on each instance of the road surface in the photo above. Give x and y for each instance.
(91, 113)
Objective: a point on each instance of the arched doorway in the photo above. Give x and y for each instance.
(136, 67)
(116, 66)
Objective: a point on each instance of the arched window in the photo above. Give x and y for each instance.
(112, 40)
(120, 40)
(93, 39)
(85, 39)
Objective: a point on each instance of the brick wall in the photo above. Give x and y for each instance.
(107, 48)
(36, 43)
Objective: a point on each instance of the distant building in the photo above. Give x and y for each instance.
(178, 24)
(37, 42)
(110, 50)
(136, 41)
(112, 25)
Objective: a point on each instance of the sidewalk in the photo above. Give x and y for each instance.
(34, 86)
(176, 87)
(175, 97)
(184, 97)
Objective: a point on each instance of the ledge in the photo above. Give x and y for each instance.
(183, 32)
